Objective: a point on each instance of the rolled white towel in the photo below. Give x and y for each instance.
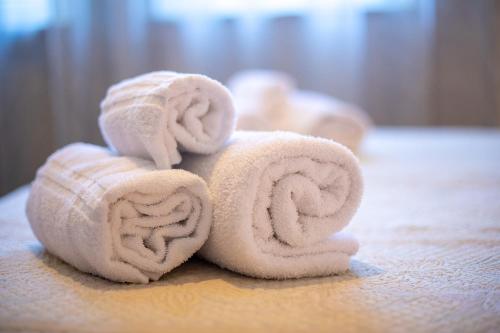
(253, 122)
(117, 217)
(268, 100)
(280, 200)
(157, 114)
(261, 98)
(266, 85)
(324, 116)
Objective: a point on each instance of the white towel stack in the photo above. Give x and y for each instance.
(262, 99)
(269, 100)
(276, 202)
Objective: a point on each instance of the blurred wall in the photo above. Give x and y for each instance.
(436, 63)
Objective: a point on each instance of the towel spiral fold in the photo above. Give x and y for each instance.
(143, 227)
(158, 114)
(280, 202)
(117, 217)
(299, 200)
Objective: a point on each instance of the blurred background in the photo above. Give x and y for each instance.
(406, 62)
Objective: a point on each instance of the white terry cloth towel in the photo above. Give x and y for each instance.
(117, 217)
(261, 98)
(321, 115)
(263, 84)
(158, 114)
(269, 100)
(280, 201)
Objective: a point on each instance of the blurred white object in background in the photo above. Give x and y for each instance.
(265, 83)
(269, 100)
(261, 98)
(324, 116)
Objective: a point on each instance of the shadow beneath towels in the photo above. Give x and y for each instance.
(197, 270)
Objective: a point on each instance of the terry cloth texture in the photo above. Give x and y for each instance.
(280, 201)
(117, 217)
(159, 114)
(429, 260)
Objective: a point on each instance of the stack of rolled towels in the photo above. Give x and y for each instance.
(269, 100)
(177, 180)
